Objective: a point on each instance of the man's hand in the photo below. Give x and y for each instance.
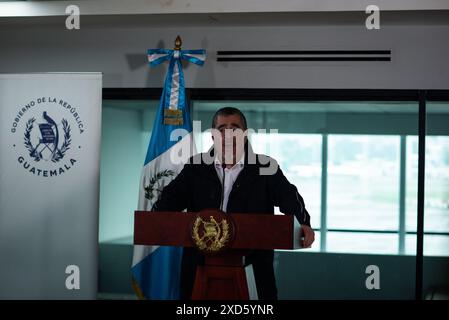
(309, 236)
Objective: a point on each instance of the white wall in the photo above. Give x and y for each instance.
(116, 46)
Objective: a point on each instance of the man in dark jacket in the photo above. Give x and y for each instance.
(236, 180)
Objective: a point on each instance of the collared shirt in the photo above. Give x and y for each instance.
(231, 175)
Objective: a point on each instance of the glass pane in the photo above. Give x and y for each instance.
(437, 184)
(411, 202)
(126, 127)
(363, 179)
(436, 245)
(410, 244)
(354, 242)
(436, 209)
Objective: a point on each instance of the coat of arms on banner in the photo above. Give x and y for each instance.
(48, 147)
(45, 134)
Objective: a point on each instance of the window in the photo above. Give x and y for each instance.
(351, 161)
(363, 180)
(355, 164)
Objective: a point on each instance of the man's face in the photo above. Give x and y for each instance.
(229, 137)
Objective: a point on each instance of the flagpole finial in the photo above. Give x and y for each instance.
(178, 43)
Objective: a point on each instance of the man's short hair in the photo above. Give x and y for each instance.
(229, 111)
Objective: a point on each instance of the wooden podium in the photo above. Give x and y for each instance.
(222, 277)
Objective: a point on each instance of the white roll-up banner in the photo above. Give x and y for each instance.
(50, 126)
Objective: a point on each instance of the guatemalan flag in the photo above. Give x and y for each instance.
(156, 269)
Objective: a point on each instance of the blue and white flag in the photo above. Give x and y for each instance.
(156, 269)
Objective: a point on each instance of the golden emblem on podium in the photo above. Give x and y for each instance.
(209, 235)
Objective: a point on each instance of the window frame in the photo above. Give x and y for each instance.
(260, 94)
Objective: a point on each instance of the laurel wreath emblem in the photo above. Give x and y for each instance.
(27, 139)
(149, 194)
(214, 238)
(57, 155)
(66, 144)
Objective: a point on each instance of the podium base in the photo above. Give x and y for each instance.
(221, 278)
